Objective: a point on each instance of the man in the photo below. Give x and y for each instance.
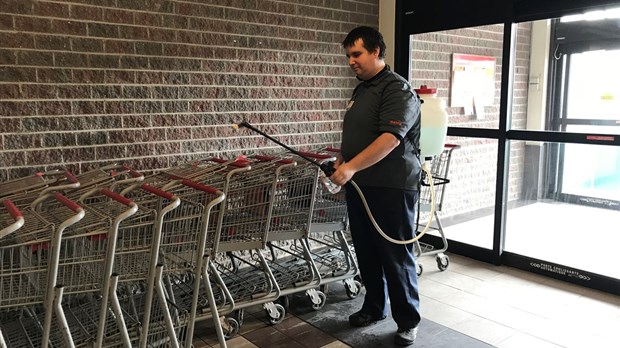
(379, 152)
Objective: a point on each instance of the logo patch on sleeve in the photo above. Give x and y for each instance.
(395, 123)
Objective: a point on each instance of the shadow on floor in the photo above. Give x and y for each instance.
(304, 327)
(332, 319)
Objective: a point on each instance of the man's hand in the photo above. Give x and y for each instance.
(344, 172)
(372, 154)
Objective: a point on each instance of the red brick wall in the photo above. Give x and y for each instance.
(154, 82)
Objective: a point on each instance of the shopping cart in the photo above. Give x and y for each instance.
(85, 268)
(153, 254)
(291, 200)
(183, 233)
(352, 287)
(132, 268)
(439, 168)
(323, 255)
(333, 251)
(77, 259)
(242, 234)
(206, 285)
(30, 294)
(23, 191)
(110, 176)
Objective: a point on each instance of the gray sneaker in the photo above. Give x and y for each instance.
(405, 337)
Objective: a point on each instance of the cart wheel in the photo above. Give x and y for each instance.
(354, 290)
(419, 269)
(285, 302)
(238, 316)
(230, 327)
(281, 314)
(442, 262)
(322, 300)
(189, 278)
(233, 262)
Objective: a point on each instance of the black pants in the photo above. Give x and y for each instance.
(386, 268)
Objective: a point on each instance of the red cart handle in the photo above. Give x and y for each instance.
(132, 172)
(316, 155)
(67, 202)
(71, 177)
(115, 196)
(264, 158)
(159, 192)
(236, 163)
(15, 213)
(217, 160)
(200, 187)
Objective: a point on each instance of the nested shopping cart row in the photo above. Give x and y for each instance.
(270, 205)
(129, 261)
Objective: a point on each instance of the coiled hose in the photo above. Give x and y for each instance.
(430, 219)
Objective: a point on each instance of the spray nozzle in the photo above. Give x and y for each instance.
(327, 168)
(241, 125)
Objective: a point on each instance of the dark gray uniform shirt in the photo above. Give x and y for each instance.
(385, 103)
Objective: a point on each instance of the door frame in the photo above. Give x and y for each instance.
(422, 17)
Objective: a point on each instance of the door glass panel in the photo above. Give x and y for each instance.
(573, 86)
(591, 177)
(541, 226)
(466, 202)
(594, 87)
(569, 74)
(465, 66)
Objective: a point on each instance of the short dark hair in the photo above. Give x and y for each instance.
(372, 39)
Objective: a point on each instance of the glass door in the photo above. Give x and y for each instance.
(535, 182)
(592, 102)
(463, 66)
(565, 174)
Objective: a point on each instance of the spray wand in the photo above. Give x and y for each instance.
(328, 169)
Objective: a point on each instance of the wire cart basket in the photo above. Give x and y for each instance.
(23, 191)
(333, 248)
(238, 225)
(30, 294)
(86, 269)
(439, 168)
(292, 199)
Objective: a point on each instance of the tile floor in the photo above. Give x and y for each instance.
(470, 305)
(548, 230)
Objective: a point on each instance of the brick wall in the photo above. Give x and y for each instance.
(154, 82)
(473, 168)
